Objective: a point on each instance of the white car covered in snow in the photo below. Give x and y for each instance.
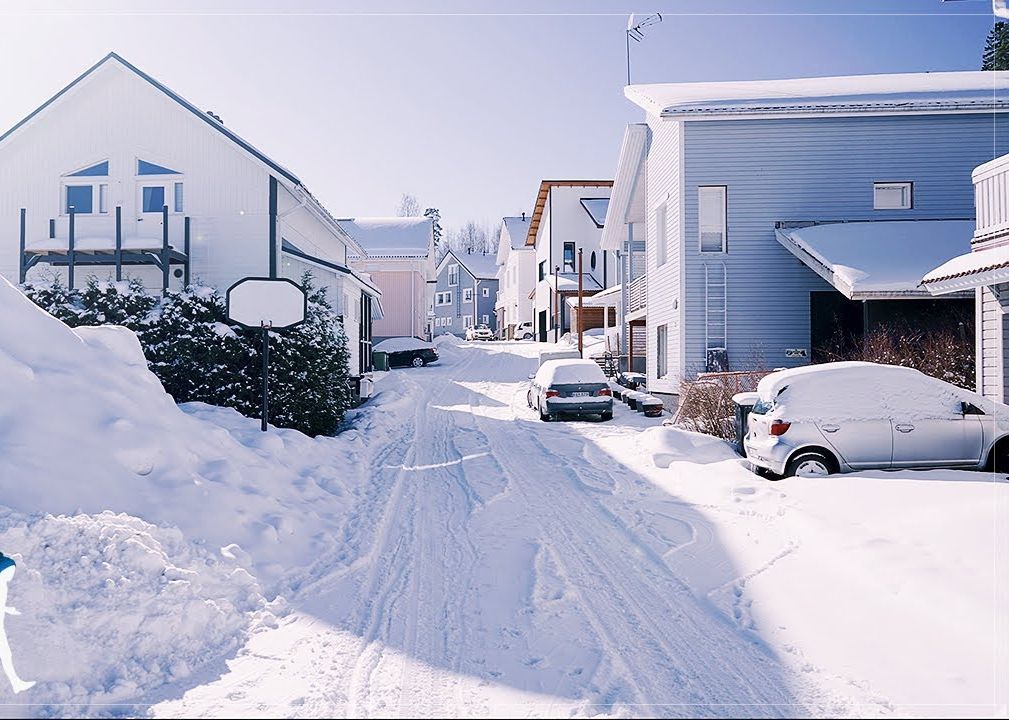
(570, 387)
(523, 331)
(481, 332)
(840, 417)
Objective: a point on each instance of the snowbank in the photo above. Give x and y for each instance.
(113, 607)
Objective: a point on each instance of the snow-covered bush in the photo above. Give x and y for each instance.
(706, 403)
(200, 358)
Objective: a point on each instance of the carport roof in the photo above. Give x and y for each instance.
(877, 260)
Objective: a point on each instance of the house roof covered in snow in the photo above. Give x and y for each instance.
(989, 266)
(513, 236)
(544, 193)
(877, 260)
(629, 166)
(482, 266)
(391, 237)
(894, 93)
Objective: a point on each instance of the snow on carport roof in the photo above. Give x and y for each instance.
(390, 236)
(898, 92)
(877, 260)
(989, 266)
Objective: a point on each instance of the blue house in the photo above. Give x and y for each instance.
(465, 291)
(775, 215)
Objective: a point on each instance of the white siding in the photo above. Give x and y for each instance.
(665, 173)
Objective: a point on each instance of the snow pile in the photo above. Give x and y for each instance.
(401, 344)
(113, 607)
(861, 390)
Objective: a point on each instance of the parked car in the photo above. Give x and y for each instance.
(407, 352)
(570, 387)
(841, 417)
(632, 380)
(481, 332)
(523, 331)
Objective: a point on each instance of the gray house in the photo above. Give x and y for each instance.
(774, 216)
(985, 271)
(465, 291)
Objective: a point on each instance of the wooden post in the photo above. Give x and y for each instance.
(119, 243)
(21, 257)
(71, 253)
(165, 251)
(581, 309)
(185, 278)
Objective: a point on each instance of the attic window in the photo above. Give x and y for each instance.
(98, 170)
(596, 208)
(149, 168)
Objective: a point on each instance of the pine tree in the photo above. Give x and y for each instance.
(126, 303)
(996, 48)
(56, 299)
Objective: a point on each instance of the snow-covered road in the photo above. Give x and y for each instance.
(502, 566)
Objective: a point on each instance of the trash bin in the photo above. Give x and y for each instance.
(380, 360)
(744, 402)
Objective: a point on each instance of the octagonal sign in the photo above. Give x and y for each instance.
(277, 303)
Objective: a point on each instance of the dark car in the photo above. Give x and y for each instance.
(407, 352)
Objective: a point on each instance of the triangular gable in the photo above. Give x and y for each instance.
(211, 122)
(96, 170)
(149, 168)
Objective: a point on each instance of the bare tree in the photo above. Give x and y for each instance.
(408, 206)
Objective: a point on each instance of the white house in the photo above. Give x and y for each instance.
(118, 175)
(568, 217)
(516, 275)
(400, 261)
(985, 270)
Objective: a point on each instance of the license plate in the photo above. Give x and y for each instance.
(580, 394)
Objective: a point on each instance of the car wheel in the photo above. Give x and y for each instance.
(606, 416)
(545, 417)
(529, 400)
(418, 361)
(999, 459)
(810, 464)
(527, 336)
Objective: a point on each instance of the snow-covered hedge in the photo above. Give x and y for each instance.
(199, 357)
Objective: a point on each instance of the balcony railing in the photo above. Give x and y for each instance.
(637, 291)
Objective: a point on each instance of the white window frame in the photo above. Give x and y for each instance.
(486, 292)
(661, 235)
(905, 189)
(467, 294)
(448, 321)
(721, 225)
(169, 188)
(485, 320)
(96, 182)
(453, 275)
(661, 351)
(467, 322)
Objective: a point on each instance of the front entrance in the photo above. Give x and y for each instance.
(542, 325)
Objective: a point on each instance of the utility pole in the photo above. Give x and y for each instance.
(581, 322)
(557, 304)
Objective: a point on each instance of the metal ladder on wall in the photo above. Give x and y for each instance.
(715, 306)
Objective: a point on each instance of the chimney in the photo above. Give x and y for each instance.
(523, 216)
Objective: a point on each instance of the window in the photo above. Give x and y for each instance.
(892, 196)
(660, 235)
(444, 298)
(467, 321)
(153, 198)
(486, 292)
(149, 168)
(448, 321)
(592, 260)
(467, 295)
(453, 274)
(79, 197)
(178, 197)
(101, 169)
(543, 270)
(711, 220)
(103, 198)
(662, 351)
(485, 319)
(569, 257)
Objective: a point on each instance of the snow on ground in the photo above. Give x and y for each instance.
(453, 555)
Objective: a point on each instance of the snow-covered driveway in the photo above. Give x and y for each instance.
(505, 566)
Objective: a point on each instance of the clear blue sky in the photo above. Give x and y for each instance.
(467, 105)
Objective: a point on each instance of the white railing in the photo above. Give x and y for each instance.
(637, 292)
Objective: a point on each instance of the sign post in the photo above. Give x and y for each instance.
(269, 305)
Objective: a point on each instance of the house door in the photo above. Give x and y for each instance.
(151, 200)
(542, 322)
